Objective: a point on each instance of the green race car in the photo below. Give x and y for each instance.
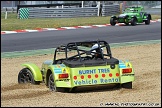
(132, 15)
(79, 64)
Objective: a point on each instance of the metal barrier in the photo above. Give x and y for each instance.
(48, 5)
(62, 12)
(108, 10)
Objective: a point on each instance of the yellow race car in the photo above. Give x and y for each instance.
(79, 64)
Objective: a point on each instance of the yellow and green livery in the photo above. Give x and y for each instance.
(79, 64)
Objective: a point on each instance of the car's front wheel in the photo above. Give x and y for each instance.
(147, 22)
(133, 21)
(26, 76)
(112, 21)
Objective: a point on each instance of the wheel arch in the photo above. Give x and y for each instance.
(35, 71)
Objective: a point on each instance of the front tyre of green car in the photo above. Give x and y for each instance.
(26, 76)
(147, 22)
(112, 21)
(133, 21)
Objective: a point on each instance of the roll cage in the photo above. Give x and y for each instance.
(81, 48)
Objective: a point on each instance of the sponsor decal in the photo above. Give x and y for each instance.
(94, 81)
(84, 74)
(93, 71)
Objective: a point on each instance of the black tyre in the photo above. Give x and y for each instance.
(112, 21)
(127, 85)
(147, 22)
(133, 21)
(51, 83)
(52, 86)
(26, 76)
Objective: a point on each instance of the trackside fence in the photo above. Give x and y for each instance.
(60, 12)
(107, 10)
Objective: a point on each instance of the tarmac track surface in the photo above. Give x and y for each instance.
(51, 39)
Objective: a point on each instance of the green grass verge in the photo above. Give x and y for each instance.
(13, 23)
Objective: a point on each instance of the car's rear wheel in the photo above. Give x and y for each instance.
(26, 76)
(112, 21)
(147, 22)
(133, 21)
(51, 83)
